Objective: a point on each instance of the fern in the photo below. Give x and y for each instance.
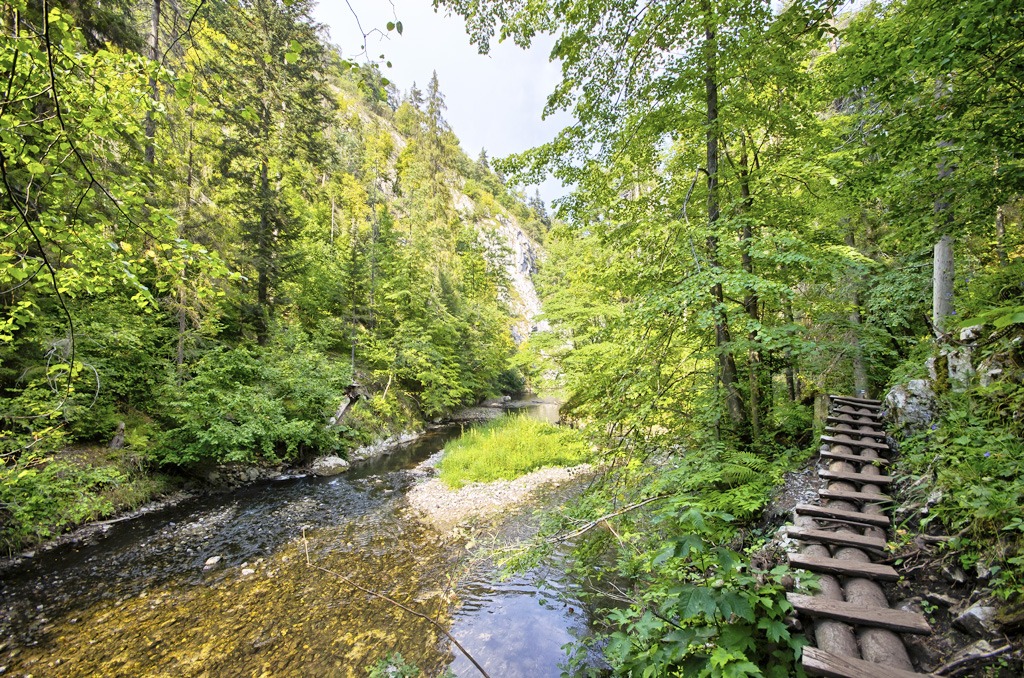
(740, 468)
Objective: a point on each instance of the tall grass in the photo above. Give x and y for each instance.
(508, 448)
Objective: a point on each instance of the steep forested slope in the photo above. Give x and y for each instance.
(215, 228)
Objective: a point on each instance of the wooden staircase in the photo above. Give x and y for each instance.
(856, 633)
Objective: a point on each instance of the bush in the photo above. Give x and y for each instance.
(508, 448)
(256, 405)
(40, 498)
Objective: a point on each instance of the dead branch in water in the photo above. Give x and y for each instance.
(392, 601)
(594, 523)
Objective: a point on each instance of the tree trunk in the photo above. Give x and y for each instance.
(1000, 237)
(726, 361)
(154, 43)
(942, 283)
(263, 257)
(792, 383)
(860, 372)
(750, 299)
(179, 359)
(942, 267)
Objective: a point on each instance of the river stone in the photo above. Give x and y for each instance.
(247, 571)
(212, 562)
(978, 620)
(329, 466)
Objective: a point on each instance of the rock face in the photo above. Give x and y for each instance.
(329, 466)
(510, 249)
(510, 246)
(910, 405)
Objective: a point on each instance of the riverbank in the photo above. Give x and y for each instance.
(224, 581)
(444, 509)
(121, 469)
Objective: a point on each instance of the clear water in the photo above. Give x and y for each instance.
(139, 602)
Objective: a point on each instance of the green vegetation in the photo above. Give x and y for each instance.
(510, 447)
(215, 227)
(968, 470)
(764, 201)
(45, 497)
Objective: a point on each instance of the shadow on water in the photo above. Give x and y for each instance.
(140, 602)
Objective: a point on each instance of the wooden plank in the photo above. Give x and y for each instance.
(855, 458)
(878, 435)
(855, 443)
(831, 419)
(852, 411)
(816, 511)
(817, 662)
(862, 478)
(865, 401)
(836, 538)
(900, 621)
(846, 495)
(845, 568)
(843, 400)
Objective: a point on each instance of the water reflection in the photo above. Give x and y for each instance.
(140, 602)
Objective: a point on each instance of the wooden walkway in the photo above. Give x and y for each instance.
(856, 634)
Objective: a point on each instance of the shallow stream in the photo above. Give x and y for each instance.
(138, 601)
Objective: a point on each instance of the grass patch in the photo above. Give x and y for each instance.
(508, 448)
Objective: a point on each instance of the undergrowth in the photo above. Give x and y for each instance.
(970, 465)
(41, 497)
(507, 448)
(664, 545)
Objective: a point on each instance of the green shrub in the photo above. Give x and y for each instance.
(41, 498)
(975, 458)
(256, 405)
(393, 666)
(508, 448)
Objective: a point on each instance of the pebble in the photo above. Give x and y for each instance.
(212, 562)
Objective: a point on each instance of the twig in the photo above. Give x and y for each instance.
(392, 601)
(952, 666)
(594, 523)
(188, 29)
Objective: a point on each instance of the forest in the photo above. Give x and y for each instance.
(215, 227)
(219, 232)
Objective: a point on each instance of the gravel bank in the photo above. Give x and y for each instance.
(444, 508)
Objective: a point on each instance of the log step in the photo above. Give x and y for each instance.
(862, 478)
(846, 402)
(880, 617)
(853, 412)
(836, 538)
(859, 401)
(855, 458)
(833, 419)
(821, 663)
(878, 435)
(875, 519)
(845, 568)
(855, 443)
(846, 495)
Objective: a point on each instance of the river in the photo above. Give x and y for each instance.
(139, 601)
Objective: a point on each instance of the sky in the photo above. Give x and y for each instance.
(494, 101)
